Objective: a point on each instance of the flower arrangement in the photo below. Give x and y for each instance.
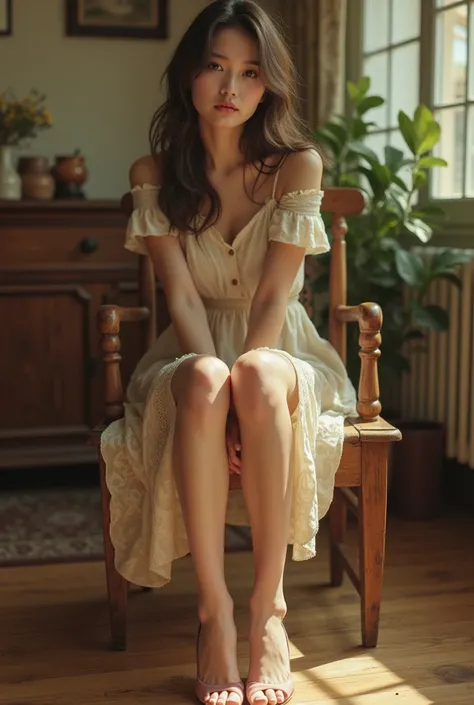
(21, 120)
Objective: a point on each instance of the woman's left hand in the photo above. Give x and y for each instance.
(233, 443)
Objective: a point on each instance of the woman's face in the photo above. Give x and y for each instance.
(230, 86)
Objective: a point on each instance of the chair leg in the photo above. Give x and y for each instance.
(117, 585)
(372, 526)
(337, 534)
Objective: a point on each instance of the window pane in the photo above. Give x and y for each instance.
(470, 155)
(447, 181)
(451, 56)
(471, 54)
(445, 3)
(405, 84)
(405, 20)
(375, 24)
(376, 67)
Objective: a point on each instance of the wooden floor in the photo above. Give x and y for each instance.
(54, 632)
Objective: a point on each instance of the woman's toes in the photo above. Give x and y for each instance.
(271, 695)
(222, 698)
(280, 696)
(213, 699)
(234, 699)
(258, 698)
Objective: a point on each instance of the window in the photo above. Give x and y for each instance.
(453, 98)
(421, 51)
(391, 57)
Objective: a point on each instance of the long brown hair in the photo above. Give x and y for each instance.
(274, 129)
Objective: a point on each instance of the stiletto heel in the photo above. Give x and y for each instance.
(287, 687)
(202, 689)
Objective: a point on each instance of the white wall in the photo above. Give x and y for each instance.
(102, 92)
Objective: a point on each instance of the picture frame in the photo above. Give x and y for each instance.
(135, 19)
(6, 21)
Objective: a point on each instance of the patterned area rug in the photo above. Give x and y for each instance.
(63, 525)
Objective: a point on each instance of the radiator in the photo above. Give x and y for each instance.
(441, 384)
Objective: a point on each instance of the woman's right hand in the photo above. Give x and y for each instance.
(233, 443)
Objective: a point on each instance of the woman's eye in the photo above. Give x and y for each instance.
(251, 73)
(213, 66)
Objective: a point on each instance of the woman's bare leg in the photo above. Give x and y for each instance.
(264, 389)
(201, 389)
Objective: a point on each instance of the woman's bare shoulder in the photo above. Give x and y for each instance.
(146, 170)
(300, 171)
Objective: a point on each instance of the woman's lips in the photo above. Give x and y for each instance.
(226, 107)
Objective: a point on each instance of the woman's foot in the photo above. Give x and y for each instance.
(218, 679)
(269, 660)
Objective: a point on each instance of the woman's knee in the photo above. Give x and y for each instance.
(201, 385)
(259, 383)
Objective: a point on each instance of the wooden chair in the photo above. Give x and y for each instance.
(364, 460)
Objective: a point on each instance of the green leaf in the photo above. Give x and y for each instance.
(408, 132)
(429, 162)
(393, 158)
(389, 244)
(324, 136)
(362, 150)
(448, 259)
(450, 277)
(354, 91)
(359, 128)
(400, 183)
(410, 267)
(422, 120)
(428, 212)
(431, 316)
(339, 132)
(384, 280)
(419, 228)
(420, 179)
(368, 103)
(363, 84)
(431, 138)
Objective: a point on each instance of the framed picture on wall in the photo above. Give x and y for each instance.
(142, 19)
(5, 18)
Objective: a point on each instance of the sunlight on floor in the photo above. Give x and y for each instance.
(356, 680)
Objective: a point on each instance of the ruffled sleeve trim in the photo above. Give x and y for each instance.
(297, 221)
(147, 219)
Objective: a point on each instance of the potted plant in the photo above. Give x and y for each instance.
(381, 265)
(20, 120)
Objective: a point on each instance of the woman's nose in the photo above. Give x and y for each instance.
(228, 86)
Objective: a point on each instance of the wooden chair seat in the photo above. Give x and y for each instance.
(361, 479)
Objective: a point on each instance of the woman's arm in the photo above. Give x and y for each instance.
(184, 304)
(301, 171)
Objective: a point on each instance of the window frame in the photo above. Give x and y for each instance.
(459, 224)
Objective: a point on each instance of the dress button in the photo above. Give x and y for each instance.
(234, 282)
(231, 252)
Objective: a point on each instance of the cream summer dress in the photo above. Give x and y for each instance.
(147, 528)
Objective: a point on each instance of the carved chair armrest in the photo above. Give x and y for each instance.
(369, 316)
(109, 318)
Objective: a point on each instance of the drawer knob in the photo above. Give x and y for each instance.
(89, 245)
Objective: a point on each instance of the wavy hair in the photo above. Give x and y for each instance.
(274, 129)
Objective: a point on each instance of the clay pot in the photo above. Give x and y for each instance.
(36, 179)
(70, 173)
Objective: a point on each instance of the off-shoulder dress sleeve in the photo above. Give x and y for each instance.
(297, 221)
(146, 220)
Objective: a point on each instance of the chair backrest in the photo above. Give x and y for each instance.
(339, 202)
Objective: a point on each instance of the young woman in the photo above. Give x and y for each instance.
(227, 205)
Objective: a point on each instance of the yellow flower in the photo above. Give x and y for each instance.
(48, 118)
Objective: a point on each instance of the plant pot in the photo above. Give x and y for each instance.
(10, 180)
(417, 466)
(37, 182)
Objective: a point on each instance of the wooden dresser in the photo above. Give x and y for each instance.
(59, 261)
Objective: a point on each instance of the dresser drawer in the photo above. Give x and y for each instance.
(79, 246)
